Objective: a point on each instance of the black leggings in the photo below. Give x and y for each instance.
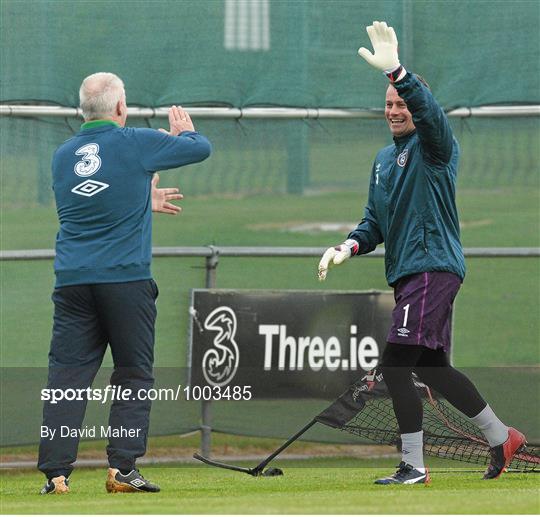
(433, 368)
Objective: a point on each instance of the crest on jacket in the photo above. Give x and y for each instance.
(402, 158)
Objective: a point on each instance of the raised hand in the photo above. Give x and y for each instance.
(179, 120)
(385, 47)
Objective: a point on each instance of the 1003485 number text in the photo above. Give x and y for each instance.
(218, 393)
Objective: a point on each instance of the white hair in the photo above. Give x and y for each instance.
(99, 94)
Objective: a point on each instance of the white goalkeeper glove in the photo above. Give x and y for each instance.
(385, 48)
(336, 255)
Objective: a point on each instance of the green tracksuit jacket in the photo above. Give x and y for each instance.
(411, 205)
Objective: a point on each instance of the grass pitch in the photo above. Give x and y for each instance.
(493, 327)
(329, 486)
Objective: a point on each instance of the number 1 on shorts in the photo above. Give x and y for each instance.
(406, 317)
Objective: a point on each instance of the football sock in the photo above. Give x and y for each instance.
(412, 449)
(494, 430)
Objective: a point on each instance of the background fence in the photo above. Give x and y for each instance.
(278, 156)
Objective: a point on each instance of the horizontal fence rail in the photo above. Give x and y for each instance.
(19, 110)
(262, 251)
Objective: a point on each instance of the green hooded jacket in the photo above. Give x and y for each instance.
(412, 191)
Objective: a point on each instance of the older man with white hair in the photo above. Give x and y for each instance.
(105, 187)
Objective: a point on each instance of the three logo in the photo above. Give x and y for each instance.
(89, 165)
(219, 364)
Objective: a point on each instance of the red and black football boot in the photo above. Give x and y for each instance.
(501, 455)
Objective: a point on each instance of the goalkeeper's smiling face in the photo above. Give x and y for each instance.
(397, 115)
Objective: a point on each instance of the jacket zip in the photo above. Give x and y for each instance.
(424, 241)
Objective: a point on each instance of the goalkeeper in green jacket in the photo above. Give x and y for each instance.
(412, 209)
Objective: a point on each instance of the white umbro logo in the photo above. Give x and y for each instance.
(89, 188)
(403, 332)
(136, 482)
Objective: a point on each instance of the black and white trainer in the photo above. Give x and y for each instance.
(406, 475)
(131, 482)
(56, 485)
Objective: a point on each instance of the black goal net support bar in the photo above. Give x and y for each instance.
(365, 409)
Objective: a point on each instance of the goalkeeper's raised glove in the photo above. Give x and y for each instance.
(336, 255)
(385, 51)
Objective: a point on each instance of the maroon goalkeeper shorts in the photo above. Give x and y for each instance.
(423, 311)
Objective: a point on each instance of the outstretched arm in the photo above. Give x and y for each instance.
(432, 125)
(181, 145)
